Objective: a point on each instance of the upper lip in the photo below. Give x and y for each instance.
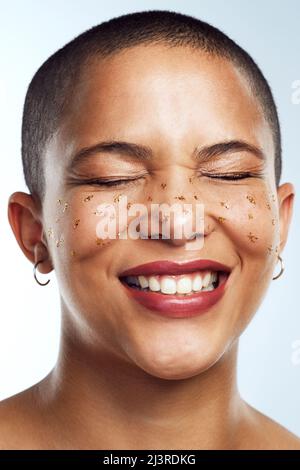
(172, 267)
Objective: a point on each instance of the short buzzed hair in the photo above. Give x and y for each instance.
(49, 91)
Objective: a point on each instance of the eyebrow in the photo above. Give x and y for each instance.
(142, 152)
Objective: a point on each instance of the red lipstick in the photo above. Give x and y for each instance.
(177, 305)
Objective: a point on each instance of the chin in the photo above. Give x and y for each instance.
(176, 361)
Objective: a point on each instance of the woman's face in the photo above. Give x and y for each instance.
(172, 101)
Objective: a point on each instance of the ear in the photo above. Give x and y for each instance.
(286, 194)
(24, 217)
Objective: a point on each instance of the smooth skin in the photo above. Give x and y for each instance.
(126, 377)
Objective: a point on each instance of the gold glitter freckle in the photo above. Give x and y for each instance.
(195, 197)
(224, 204)
(252, 237)
(251, 199)
(59, 201)
(59, 242)
(66, 205)
(276, 249)
(221, 219)
(270, 249)
(190, 179)
(273, 221)
(117, 198)
(149, 198)
(268, 206)
(163, 185)
(73, 253)
(97, 212)
(88, 198)
(100, 241)
(273, 198)
(180, 198)
(50, 232)
(250, 216)
(129, 204)
(75, 225)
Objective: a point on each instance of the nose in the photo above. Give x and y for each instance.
(175, 223)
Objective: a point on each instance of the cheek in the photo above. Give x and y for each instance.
(74, 225)
(250, 219)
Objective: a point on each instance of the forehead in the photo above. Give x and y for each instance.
(172, 97)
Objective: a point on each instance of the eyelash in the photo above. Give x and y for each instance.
(110, 183)
(230, 176)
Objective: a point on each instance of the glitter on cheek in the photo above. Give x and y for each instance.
(73, 253)
(250, 216)
(66, 205)
(59, 242)
(101, 242)
(76, 223)
(88, 198)
(221, 219)
(251, 199)
(224, 204)
(180, 198)
(50, 232)
(117, 198)
(252, 237)
(163, 185)
(149, 198)
(196, 197)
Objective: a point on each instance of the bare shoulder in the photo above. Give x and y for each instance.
(19, 426)
(263, 433)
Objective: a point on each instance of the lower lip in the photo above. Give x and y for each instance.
(179, 306)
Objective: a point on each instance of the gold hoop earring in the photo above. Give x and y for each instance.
(34, 274)
(281, 268)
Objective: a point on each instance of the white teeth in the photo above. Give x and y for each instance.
(168, 285)
(154, 284)
(210, 287)
(171, 284)
(143, 282)
(197, 283)
(184, 285)
(206, 279)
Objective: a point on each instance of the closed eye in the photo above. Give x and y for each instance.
(230, 176)
(106, 183)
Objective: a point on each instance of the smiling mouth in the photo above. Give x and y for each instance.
(183, 285)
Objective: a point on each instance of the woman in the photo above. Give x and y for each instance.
(154, 108)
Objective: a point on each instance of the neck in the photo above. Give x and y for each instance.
(100, 400)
